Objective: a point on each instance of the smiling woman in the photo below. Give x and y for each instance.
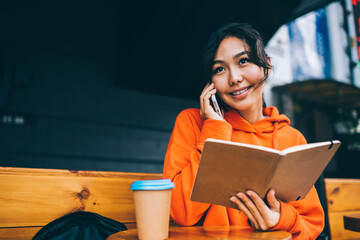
(236, 55)
(237, 80)
(236, 69)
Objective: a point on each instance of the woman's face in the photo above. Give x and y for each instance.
(236, 78)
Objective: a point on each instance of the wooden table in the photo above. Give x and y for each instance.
(352, 222)
(214, 232)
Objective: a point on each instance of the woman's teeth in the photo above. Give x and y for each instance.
(241, 91)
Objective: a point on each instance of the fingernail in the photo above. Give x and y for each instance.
(240, 195)
(232, 199)
(249, 193)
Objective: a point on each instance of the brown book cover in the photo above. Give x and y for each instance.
(227, 168)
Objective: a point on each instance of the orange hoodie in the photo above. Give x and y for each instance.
(304, 219)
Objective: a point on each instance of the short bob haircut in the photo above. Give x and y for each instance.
(243, 32)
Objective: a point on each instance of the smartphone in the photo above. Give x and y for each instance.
(215, 105)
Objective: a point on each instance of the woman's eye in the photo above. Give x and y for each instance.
(243, 61)
(218, 69)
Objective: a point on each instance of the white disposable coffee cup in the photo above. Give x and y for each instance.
(152, 208)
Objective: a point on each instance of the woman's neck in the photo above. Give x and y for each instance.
(252, 116)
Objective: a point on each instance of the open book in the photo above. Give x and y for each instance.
(227, 168)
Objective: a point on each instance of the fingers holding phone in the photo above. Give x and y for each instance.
(215, 105)
(209, 109)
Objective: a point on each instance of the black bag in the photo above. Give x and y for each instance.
(79, 225)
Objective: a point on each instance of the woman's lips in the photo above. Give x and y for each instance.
(240, 91)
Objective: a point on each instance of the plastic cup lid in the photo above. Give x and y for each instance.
(160, 184)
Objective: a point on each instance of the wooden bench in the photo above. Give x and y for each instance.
(31, 198)
(343, 197)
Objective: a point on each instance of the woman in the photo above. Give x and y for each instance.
(236, 68)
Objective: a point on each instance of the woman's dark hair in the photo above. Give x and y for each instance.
(243, 32)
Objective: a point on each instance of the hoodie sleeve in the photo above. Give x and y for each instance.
(182, 160)
(304, 219)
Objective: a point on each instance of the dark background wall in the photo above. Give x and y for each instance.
(97, 85)
(61, 104)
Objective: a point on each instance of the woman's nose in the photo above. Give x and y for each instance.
(235, 76)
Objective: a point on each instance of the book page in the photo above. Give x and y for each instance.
(271, 150)
(305, 146)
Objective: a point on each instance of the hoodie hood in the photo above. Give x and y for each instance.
(265, 125)
(271, 124)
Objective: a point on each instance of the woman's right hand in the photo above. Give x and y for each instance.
(206, 110)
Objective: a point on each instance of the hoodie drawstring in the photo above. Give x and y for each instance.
(275, 138)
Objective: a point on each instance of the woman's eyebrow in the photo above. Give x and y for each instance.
(217, 61)
(241, 53)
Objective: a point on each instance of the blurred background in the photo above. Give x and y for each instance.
(90, 85)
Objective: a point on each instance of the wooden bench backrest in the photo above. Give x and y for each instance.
(343, 197)
(35, 197)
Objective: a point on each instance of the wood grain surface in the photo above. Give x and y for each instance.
(342, 199)
(215, 232)
(31, 198)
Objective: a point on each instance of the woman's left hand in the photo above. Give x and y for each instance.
(261, 216)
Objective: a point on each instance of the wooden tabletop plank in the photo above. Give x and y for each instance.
(210, 232)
